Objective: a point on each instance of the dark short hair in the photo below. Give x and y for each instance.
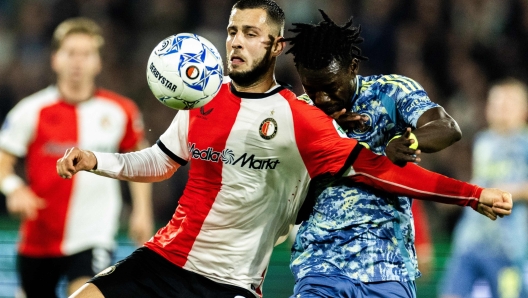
(273, 10)
(315, 46)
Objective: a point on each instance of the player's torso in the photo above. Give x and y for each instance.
(83, 211)
(375, 228)
(248, 181)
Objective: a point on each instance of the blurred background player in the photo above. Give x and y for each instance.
(68, 226)
(356, 235)
(500, 159)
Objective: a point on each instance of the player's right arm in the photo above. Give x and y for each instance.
(326, 151)
(152, 164)
(21, 201)
(413, 181)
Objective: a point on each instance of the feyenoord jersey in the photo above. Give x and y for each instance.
(82, 212)
(354, 230)
(250, 164)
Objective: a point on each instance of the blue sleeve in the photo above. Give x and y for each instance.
(409, 98)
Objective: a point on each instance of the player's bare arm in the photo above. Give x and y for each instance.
(21, 201)
(435, 131)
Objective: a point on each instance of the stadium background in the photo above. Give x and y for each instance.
(455, 49)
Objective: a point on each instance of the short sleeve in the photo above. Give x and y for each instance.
(18, 129)
(411, 99)
(174, 139)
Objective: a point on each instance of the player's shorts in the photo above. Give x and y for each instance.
(145, 273)
(39, 276)
(319, 286)
(504, 277)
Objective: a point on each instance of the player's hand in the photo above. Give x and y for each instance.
(75, 160)
(398, 150)
(494, 203)
(24, 203)
(140, 227)
(350, 120)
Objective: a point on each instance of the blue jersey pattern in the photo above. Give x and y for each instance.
(498, 159)
(355, 230)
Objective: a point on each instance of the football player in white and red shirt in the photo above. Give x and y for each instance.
(68, 226)
(254, 149)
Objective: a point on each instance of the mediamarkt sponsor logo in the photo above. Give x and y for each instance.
(228, 157)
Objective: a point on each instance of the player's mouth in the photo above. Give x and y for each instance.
(236, 60)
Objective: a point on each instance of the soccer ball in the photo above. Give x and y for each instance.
(185, 71)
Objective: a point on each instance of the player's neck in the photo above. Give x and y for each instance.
(75, 93)
(257, 87)
(261, 85)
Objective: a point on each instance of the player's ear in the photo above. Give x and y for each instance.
(354, 66)
(278, 46)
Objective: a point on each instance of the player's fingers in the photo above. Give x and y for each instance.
(487, 211)
(407, 133)
(337, 114)
(501, 211)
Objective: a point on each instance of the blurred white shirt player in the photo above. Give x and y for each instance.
(68, 227)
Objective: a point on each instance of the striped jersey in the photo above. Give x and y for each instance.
(252, 156)
(354, 230)
(82, 212)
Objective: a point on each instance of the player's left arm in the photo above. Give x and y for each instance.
(436, 130)
(141, 223)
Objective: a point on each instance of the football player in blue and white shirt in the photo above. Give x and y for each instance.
(357, 241)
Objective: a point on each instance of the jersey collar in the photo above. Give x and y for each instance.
(273, 90)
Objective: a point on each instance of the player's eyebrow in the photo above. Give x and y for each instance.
(244, 28)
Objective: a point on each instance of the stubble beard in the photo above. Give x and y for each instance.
(250, 77)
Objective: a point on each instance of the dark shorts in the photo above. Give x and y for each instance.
(147, 274)
(40, 276)
(319, 286)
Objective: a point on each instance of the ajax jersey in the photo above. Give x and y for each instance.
(82, 212)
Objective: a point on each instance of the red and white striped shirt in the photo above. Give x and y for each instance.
(82, 212)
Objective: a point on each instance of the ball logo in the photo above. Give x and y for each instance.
(268, 128)
(165, 43)
(192, 72)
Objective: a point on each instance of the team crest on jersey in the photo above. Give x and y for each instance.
(268, 128)
(368, 124)
(107, 271)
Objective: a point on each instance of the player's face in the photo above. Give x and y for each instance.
(506, 107)
(249, 46)
(330, 88)
(77, 61)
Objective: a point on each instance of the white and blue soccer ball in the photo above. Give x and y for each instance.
(185, 71)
